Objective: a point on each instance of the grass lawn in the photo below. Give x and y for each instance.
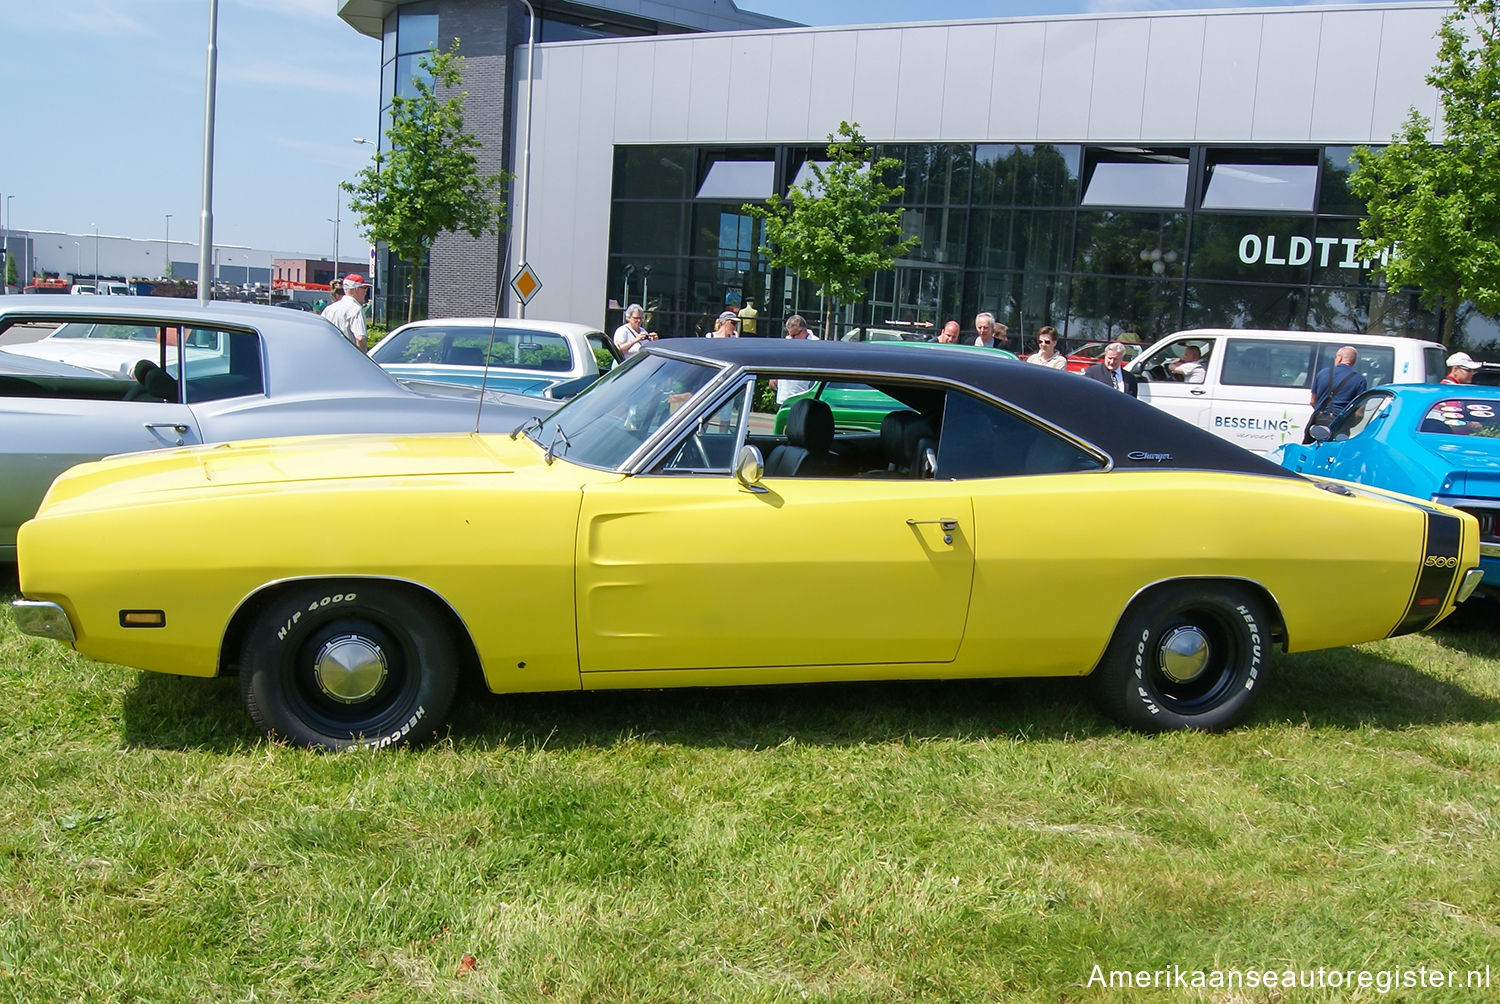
(895, 842)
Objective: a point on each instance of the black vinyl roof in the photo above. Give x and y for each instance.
(1135, 435)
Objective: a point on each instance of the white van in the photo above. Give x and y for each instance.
(1253, 388)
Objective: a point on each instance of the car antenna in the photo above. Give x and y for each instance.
(484, 378)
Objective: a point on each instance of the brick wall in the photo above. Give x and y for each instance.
(463, 270)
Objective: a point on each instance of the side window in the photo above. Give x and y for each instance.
(1377, 364)
(709, 446)
(980, 440)
(1434, 364)
(604, 351)
(1250, 362)
(1358, 416)
(222, 364)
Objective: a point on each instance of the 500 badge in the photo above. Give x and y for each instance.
(1438, 561)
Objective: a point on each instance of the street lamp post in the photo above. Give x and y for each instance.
(96, 257)
(167, 261)
(77, 260)
(5, 241)
(337, 205)
(374, 295)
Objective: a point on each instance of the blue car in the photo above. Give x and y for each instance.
(1432, 441)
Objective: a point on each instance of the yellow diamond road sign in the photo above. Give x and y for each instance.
(526, 284)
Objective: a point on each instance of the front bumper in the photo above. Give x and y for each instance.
(45, 620)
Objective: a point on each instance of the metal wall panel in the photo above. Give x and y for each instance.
(967, 77)
(876, 87)
(1345, 95)
(1231, 67)
(1174, 72)
(1067, 80)
(1016, 88)
(1287, 78)
(919, 82)
(790, 80)
(1117, 100)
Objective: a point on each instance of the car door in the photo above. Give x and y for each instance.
(683, 568)
(47, 435)
(1355, 445)
(1189, 401)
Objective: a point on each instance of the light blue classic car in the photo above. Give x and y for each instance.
(83, 377)
(1432, 441)
(525, 357)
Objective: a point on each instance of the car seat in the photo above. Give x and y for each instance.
(809, 434)
(152, 383)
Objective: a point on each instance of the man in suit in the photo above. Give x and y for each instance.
(989, 333)
(1111, 372)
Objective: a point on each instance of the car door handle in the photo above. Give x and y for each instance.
(1198, 391)
(176, 427)
(949, 524)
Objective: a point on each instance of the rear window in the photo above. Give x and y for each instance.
(1462, 417)
(545, 351)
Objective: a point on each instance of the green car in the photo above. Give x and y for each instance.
(856, 406)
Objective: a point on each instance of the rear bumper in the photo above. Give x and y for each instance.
(44, 620)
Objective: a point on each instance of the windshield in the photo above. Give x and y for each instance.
(609, 421)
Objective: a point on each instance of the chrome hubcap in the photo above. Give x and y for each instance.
(350, 668)
(1184, 654)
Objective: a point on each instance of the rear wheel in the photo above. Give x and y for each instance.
(1185, 657)
(345, 664)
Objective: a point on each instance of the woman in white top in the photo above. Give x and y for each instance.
(725, 327)
(629, 336)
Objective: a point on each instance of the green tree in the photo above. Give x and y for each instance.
(1434, 211)
(836, 231)
(10, 270)
(426, 180)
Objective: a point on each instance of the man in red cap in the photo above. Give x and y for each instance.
(348, 314)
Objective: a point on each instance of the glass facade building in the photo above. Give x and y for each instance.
(1094, 240)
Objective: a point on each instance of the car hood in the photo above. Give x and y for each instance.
(272, 464)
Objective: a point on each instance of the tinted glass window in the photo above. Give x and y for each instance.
(416, 31)
(980, 440)
(1141, 183)
(1272, 187)
(1462, 417)
(1255, 363)
(1357, 417)
(222, 364)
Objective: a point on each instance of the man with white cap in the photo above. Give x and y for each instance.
(1461, 367)
(348, 313)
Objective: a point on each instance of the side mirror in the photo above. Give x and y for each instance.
(748, 470)
(1319, 433)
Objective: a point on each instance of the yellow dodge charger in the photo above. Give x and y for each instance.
(657, 532)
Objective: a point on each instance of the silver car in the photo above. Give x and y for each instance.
(525, 356)
(251, 373)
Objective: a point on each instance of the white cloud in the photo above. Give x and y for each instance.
(318, 80)
(306, 10)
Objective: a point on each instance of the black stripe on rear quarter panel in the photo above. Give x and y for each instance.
(1438, 575)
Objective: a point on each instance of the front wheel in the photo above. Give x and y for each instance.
(1185, 657)
(356, 663)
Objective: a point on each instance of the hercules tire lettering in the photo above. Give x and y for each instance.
(1207, 678)
(335, 668)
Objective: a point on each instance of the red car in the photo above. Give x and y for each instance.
(1093, 352)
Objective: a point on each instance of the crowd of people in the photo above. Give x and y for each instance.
(988, 333)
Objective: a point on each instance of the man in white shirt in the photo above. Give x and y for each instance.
(348, 313)
(796, 327)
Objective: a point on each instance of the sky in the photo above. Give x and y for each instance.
(106, 113)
